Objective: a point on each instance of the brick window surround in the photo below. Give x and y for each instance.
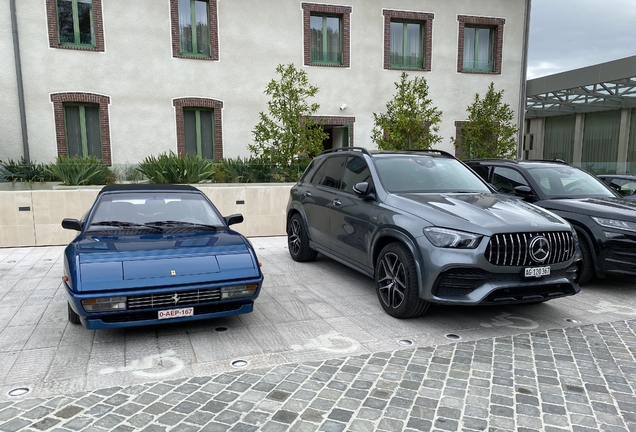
(215, 106)
(425, 19)
(59, 99)
(213, 26)
(98, 27)
(337, 121)
(344, 12)
(497, 24)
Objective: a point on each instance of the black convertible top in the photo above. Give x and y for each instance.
(148, 187)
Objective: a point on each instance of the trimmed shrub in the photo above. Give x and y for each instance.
(172, 168)
(82, 171)
(27, 172)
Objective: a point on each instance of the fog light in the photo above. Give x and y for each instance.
(238, 291)
(104, 304)
(613, 235)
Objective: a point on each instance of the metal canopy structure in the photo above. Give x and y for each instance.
(602, 87)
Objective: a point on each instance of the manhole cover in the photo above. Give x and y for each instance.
(220, 329)
(453, 336)
(405, 342)
(239, 363)
(18, 391)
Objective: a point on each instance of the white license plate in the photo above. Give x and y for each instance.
(537, 271)
(176, 313)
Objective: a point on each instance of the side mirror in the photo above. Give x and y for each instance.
(363, 190)
(525, 192)
(71, 224)
(234, 219)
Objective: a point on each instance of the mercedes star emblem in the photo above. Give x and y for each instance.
(539, 249)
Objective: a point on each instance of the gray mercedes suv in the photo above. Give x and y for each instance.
(428, 230)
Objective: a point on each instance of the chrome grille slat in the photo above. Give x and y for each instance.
(511, 249)
(185, 297)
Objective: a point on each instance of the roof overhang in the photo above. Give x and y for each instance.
(601, 87)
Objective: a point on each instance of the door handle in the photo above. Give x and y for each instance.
(337, 202)
(307, 194)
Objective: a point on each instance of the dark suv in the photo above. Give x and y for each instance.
(428, 230)
(604, 220)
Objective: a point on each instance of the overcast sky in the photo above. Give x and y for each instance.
(570, 34)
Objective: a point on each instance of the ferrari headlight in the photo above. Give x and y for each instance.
(104, 304)
(448, 238)
(615, 223)
(238, 291)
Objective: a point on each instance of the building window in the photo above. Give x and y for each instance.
(199, 127)
(75, 24)
(326, 35)
(407, 40)
(82, 126)
(83, 137)
(480, 44)
(194, 29)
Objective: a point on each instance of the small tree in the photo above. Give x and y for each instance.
(488, 133)
(411, 121)
(288, 131)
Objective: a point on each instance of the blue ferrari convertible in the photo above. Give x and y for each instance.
(151, 254)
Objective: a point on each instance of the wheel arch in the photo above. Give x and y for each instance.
(395, 235)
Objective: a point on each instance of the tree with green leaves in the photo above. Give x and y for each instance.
(489, 132)
(410, 121)
(288, 132)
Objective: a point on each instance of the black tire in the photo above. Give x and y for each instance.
(73, 318)
(587, 266)
(396, 283)
(298, 240)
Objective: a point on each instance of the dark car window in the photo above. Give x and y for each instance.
(625, 187)
(569, 182)
(482, 170)
(356, 171)
(415, 173)
(330, 172)
(507, 179)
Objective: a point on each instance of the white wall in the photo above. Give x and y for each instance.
(139, 74)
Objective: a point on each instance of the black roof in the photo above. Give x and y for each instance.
(430, 152)
(148, 187)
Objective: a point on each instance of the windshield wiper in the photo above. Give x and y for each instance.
(173, 223)
(122, 224)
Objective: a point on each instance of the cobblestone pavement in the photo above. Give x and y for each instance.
(572, 379)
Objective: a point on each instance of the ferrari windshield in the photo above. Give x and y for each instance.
(136, 209)
(568, 182)
(421, 173)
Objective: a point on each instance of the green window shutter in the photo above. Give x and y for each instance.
(207, 135)
(72, 126)
(83, 130)
(93, 131)
(190, 131)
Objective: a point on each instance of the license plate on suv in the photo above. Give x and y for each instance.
(176, 313)
(537, 271)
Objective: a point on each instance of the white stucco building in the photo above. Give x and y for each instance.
(123, 79)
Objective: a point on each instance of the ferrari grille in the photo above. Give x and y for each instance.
(174, 299)
(515, 249)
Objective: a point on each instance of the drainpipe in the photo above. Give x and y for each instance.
(18, 73)
(524, 80)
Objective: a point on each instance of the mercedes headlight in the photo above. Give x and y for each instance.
(448, 238)
(615, 223)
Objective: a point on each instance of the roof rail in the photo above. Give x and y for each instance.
(561, 161)
(441, 152)
(492, 160)
(360, 149)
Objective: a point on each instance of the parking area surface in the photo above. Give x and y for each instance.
(318, 352)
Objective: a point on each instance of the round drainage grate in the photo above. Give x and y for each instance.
(453, 336)
(10, 262)
(405, 342)
(239, 363)
(20, 391)
(573, 321)
(220, 329)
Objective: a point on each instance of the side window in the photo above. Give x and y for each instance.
(506, 179)
(355, 171)
(330, 172)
